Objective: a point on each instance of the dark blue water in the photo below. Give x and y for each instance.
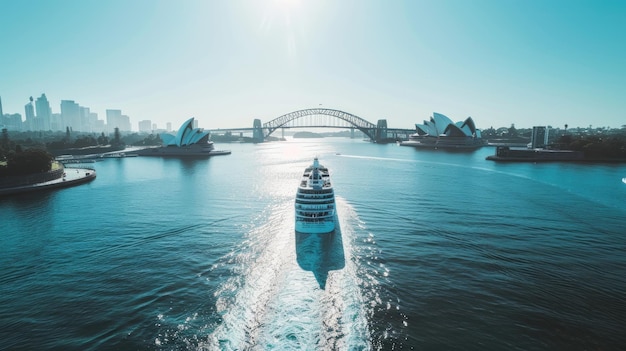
(434, 250)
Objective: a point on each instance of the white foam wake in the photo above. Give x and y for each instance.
(293, 292)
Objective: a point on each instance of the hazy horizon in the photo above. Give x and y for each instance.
(229, 62)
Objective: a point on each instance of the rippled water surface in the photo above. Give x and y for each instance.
(434, 250)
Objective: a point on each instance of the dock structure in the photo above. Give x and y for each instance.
(59, 178)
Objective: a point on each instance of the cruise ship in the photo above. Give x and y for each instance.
(315, 201)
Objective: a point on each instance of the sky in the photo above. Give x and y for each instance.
(227, 62)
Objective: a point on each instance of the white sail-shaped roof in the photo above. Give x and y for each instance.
(441, 125)
(441, 122)
(186, 135)
(432, 128)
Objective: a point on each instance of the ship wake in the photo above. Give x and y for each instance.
(293, 291)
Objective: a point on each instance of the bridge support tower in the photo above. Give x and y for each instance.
(381, 130)
(257, 131)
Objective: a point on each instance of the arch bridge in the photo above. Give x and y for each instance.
(320, 118)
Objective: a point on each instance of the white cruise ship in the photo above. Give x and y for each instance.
(315, 201)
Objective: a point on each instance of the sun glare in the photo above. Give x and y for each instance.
(286, 4)
(280, 17)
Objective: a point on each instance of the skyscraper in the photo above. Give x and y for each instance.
(1, 113)
(145, 126)
(29, 110)
(114, 119)
(44, 112)
(70, 114)
(84, 118)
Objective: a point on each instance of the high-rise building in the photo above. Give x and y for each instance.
(44, 112)
(99, 125)
(29, 110)
(114, 119)
(13, 121)
(145, 126)
(70, 115)
(1, 113)
(56, 122)
(125, 125)
(84, 119)
(168, 126)
(92, 121)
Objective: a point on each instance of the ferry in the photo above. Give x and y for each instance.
(315, 201)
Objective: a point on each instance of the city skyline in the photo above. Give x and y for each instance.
(227, 63)
(39, 116)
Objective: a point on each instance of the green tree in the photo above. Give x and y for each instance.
(29, 162)
(102, 139)
(117, 137)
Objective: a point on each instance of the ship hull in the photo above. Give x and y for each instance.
(317, 227)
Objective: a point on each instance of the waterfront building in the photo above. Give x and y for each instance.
(441, 132)
(187, 142)
(539, 137)
(187, 135)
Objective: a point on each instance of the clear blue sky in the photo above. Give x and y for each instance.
(226, 62)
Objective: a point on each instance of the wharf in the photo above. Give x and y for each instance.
(70, 177)
(509, 154)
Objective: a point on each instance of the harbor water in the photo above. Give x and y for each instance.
(433, 250)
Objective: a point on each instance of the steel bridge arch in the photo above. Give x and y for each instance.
(359, 123)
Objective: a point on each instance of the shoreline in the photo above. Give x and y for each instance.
(71, 177)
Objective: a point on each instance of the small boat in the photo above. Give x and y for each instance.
(315, 201)
(624, 180)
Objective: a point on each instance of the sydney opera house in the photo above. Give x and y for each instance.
(188, 141)
(441, 132)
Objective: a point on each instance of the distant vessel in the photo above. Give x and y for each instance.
(624, 180)
(315, 201)
(188, 142)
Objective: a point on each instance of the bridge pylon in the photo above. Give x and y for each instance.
(257, 131)
(381, 130)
